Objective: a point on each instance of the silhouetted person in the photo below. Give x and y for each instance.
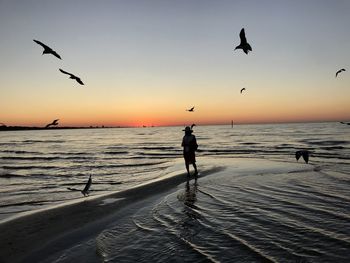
(189, 144)
(340, 70)
(47, 50)
(191, 110)
(242, 90)
(244, 44)
(71, 76)
(86, 191)
(303, 153)
(54, 123)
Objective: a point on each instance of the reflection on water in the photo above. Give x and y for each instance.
(285, 215)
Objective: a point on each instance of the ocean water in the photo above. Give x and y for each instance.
(283, 215)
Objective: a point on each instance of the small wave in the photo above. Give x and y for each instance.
(43, 158)
(42, 141)
(116, 152)
(159, 148)
(325, 143)
(11, 175)
(28, 167)
(19, 152)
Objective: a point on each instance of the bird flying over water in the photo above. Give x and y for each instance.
(348, 123)
(193, 126)
(191, 110)
(54, 123)
(71, 76)
(340, 70)
(47, 50)
(244, 44)
(303, 153)
(242, 90)
(86, 191)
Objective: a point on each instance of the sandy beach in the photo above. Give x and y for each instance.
(31, 237)
(46, 235)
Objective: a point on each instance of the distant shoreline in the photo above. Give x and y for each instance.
(25, 128)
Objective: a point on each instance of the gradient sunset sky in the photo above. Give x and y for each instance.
(146, 62)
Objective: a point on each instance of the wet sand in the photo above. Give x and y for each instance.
(35, 236)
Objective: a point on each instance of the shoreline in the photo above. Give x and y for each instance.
(39, 233)
(25, 128)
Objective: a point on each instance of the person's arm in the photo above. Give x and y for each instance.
(195, 145)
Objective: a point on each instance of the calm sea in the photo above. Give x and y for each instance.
(296, 218)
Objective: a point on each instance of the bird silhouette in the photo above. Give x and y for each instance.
(193, 126)
(303, 153)
(191, 110)
(86, 191)
(71, 76)
(54, 123)
(340, 70)
(47, 50)
(347, 123)
(242, 90)
(244, 44)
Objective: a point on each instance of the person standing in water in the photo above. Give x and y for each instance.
(189, 144)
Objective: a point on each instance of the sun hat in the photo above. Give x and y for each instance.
(187, 129)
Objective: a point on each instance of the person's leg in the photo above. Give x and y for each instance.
(187, 169)
(195, 170)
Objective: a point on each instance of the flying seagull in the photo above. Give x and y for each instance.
(86, 191)
(71, 76)
(193, 126)
(244, 44)
(242, 90)
(303, 153)
(47, 50)
(191, 110)
(54, 123)
(340, 70)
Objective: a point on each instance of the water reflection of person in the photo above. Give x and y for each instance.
(191, 194)
(189, 202)
(189, 144)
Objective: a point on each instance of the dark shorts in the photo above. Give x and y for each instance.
(190, 157)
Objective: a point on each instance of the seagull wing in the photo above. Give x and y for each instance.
(41, 44)
(305, 156)
(297, 155)
(88, 184)
(65, 72)
(336, 74)
(249, 47)
(55, 54)
(79, 81)
(242, 37)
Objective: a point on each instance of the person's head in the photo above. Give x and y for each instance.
(187, 130)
